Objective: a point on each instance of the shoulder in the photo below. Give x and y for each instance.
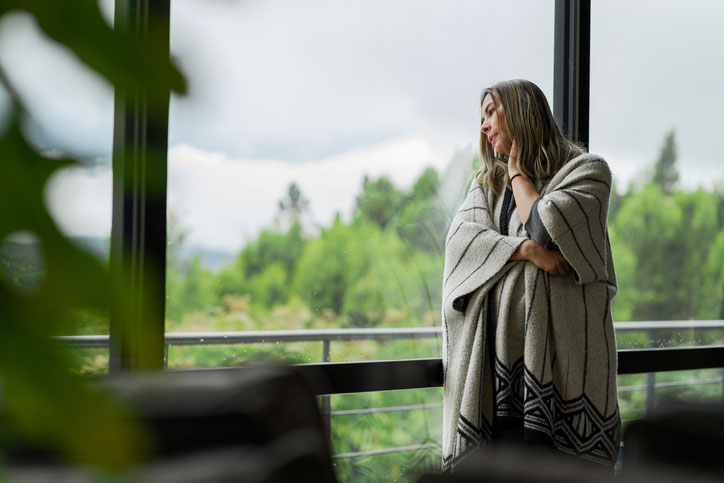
(592, 163)
(480, 188)
(586, 165)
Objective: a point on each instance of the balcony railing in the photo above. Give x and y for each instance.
(327, 336)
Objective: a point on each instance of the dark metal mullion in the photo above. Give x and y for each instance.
(571, 70)
(138, 233)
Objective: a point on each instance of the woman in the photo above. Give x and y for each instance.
(529, 351)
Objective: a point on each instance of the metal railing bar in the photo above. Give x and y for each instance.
(376, 452)
(267, 336)
(316, 335)
(389, 409)
(691, 382)
(83, 341)
(668, 324)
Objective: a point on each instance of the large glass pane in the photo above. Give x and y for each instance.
(656, 104)
(68, 114)
(317, 161)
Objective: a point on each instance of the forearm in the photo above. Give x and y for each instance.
(525, 195)
(523, 251)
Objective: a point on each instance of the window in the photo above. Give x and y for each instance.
(317, 161)
(656, 105)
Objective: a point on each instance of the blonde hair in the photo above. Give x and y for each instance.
(542, 147)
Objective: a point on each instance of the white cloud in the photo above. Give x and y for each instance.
(225, 202)
(70, 104)
(304, 80)
(80, 200)
(329, 90)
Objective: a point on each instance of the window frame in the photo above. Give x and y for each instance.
(138, 233)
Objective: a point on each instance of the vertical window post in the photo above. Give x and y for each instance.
(138, 231)
(572, 67)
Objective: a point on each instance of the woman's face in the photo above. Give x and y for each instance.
(493, 125)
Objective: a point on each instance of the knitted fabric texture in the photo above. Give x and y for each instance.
(559, 381)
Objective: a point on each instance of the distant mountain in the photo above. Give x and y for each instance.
(210, 259)
(25, 260)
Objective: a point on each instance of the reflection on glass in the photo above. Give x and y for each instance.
(661, 334)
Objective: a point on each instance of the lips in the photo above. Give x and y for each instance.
(492, 138)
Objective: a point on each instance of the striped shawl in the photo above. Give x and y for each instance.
(561, 384)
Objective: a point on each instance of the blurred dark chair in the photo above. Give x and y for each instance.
(680, 434)
(682, 446)
(258, 424)
(519, 464)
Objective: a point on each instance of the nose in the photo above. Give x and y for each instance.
(485, 127)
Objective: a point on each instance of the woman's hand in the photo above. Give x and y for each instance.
(549, 260)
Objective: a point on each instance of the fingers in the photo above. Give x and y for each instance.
(551, 261)
(561, 267)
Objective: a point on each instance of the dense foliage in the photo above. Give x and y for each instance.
(383, 267)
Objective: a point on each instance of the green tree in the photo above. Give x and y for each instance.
(176, 234)
(273, 247)
(270, 287)
(231, 280)
(380, 201)
(665, 174)
(293, 209)
(364, 302)
(649, 224)
(713, 285)
(295, 202)
(423, 221)
(665, 247)
(330, 264)
(191, 291)
(698, 232)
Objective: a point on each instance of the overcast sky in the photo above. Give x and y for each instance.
(323, 92)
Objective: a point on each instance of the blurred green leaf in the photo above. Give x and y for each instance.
(118, 56)
(48, 405)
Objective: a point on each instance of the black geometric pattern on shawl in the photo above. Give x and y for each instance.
(575, 425)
